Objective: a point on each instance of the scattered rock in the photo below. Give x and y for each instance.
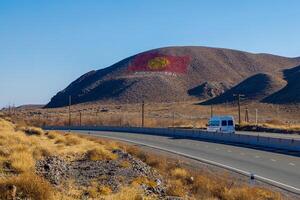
(53, 169)
(106, 172)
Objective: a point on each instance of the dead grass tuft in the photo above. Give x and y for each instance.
(72, 140)
(25, 186)
(105, 190)
(176, 188)
(143, 180)
(100, 153)
(32, 130)
(128, 193)
(179, 173)
(22, 161)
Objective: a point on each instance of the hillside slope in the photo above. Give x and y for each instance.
(256, 87)
(170, 74)
(291, 92)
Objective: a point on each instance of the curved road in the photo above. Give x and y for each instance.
(282, 169)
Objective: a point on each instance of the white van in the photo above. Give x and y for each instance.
(221, 124)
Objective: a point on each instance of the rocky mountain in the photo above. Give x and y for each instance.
(178, 74)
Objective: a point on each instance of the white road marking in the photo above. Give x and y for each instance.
(273, 160)
(217, 149)
(229, 151)
(257, 156)
(291, 164)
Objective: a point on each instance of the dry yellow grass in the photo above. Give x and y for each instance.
(143, 180)
(26, 186)
(21, 147)
(200, 185)
(176, 188)
(32, 130)
(179, 173)
(125, 164)
(22, 161)
(129, 193)
(96, 191)
(100, 153)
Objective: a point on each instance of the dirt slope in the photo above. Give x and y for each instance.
(256, 87)
(170, 74)
(291, 92)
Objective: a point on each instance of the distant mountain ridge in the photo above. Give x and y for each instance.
(178, 74)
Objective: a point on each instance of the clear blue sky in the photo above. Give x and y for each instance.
(44, 45)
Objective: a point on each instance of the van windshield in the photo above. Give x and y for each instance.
(214, 123)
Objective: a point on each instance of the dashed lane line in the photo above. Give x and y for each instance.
(292, 164)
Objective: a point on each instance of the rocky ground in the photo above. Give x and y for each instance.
(112, 173)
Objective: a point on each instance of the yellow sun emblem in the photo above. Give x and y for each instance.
(158, 63)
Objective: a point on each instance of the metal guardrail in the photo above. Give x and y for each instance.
(259, 141)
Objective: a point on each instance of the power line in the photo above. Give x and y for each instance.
(239, 96)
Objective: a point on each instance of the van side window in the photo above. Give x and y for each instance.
(214, 123)
(230, 123)
(224, 123)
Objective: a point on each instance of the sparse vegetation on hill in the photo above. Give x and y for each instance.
(205, 73)
(35, 164)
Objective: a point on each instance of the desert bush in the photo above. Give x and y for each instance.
(179, 173)
(22, 161)
(60, 140)
(250, 193)
(42, 151)
(104, 190)
(143, 180)
(51, 135)
(96, 191)
(176, 188)
(25, 186)
(72, 140)
(32, 130)
(100, 153)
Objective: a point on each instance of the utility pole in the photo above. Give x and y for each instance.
(13, 109)
(239, 105)
(70, 102)
(9, 110)
(256, 117)
(247, 115)
(143, 113)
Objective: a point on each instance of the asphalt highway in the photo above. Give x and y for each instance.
(281, 169)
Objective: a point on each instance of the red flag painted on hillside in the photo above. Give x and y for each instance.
(159, 63)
